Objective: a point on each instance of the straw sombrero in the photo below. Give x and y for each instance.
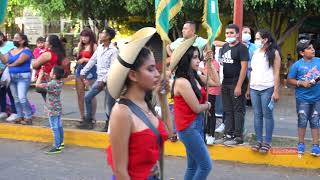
(180, 51)
(128, 53)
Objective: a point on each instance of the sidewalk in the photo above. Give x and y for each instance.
(284, 110)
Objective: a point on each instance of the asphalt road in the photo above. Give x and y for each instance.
(26, 161)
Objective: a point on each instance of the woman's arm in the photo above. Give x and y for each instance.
(120, 130)
(42, 59)
(22, 58)
(276, 75)
(4, 58)
(184, 88)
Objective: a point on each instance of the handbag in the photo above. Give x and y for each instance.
(139, 113)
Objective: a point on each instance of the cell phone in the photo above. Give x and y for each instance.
(271, 105)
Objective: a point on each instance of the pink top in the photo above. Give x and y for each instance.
(214, 90)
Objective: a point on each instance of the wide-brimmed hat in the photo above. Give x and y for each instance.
(180, 51)
(128, 53)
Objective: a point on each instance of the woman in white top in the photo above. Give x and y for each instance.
(264, 87)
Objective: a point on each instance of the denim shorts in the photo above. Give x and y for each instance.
(308, 112)
(91, 74)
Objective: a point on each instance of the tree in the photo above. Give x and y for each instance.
(279, 16)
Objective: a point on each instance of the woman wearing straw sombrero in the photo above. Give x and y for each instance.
(190, 102)
(136, 133)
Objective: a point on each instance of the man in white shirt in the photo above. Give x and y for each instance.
(102, 57)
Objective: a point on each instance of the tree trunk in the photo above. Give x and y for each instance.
(292, 29)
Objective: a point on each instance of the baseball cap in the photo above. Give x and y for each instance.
(303, 44)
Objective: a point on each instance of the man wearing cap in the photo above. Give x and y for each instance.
(5, 47)
(102, 57)
(188, 31)
(304, 75)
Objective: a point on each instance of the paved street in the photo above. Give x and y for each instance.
(285, 115)
(26, 161)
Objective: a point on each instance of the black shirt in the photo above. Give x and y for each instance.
(231, 58)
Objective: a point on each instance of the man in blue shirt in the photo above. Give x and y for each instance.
(305, 74)
(5, 47)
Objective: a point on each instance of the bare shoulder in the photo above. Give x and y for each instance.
(183, 83)
(120, 114)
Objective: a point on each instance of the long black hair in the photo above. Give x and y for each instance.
(140, 60)
(184, 70)
(272, 46)
(57, 47)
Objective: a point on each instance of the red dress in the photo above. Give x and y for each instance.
(183, 114)
(143, 152)
(48, 65)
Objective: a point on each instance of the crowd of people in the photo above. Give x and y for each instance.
(196, 79)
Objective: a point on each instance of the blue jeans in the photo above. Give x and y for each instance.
(3, 100)
(199, 162)
(19, 85)
(109, 101)
(260, 101)
(57, 129)
(88, 99)
(171, 109)
(308, 112)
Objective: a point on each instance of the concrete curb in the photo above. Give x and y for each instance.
(286, 157)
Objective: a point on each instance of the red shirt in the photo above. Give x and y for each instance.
(183, 114)
(143, 152)
(85, 54)
(48, 65)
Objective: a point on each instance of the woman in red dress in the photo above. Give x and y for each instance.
(134, 149)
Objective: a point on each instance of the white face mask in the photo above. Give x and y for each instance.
(258, 43)
(246, 37)
(231, 40)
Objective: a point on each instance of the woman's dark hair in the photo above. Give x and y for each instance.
(58, 71)
(25, 38)
(88, 33)
(184, 70)
(57, 47)
(272, 46)
(140, 60)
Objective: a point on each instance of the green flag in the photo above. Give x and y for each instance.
(3, 7)
(165, 11)
(211, 19)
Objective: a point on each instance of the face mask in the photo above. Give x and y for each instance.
(231, 40)
(16, 43)
(258, 43)
(246, 37)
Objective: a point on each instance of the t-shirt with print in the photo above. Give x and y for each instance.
(231, 58)
(54, 106)
(306, 70)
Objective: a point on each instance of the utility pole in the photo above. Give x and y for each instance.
(238, 13)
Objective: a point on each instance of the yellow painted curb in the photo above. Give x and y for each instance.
(95, 139)
(70, 82)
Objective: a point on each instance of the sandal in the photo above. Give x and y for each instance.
(174, 138)
(26, 122)
(256, 147)
(265, 148)
(18, 121)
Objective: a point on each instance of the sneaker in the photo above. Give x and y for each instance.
(300, 148)
(54, 150)
(234, 142)
(315, 150)
(218, 115)
(12, 117)
(210, 140)
(220, 129)
(3, 115)
(222, 140)
(61, 146)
